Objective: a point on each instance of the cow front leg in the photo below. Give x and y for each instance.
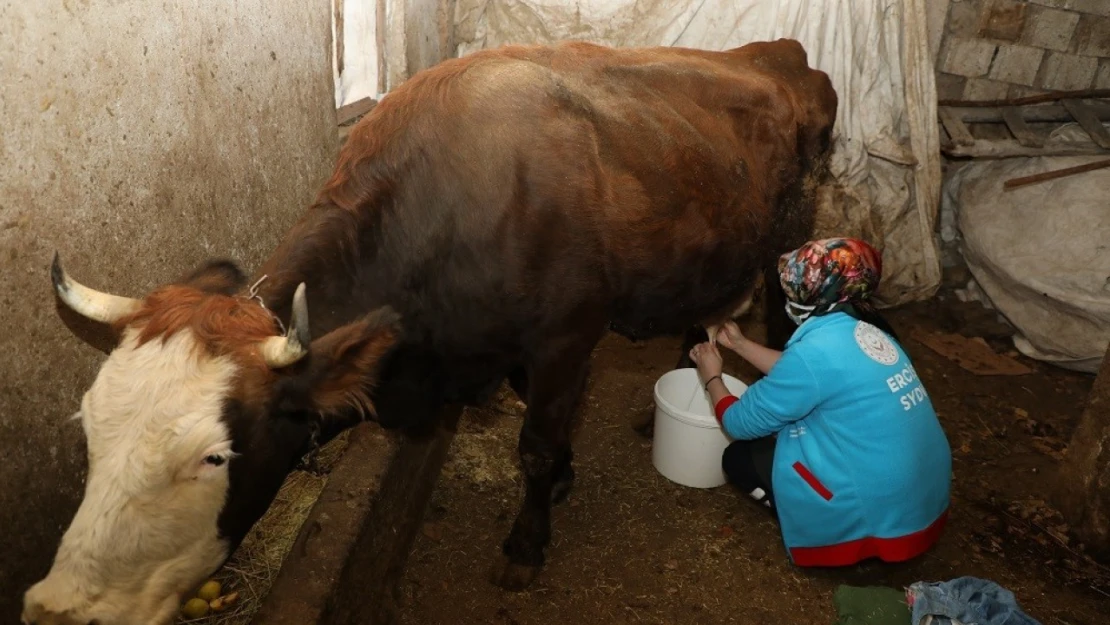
(554, 390)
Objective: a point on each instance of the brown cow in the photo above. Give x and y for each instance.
(489, 219)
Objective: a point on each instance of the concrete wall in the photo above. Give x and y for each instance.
(138, 139)
(995, 49)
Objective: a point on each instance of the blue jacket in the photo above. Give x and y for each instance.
(862, 467)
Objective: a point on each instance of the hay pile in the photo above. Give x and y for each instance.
(254, 565)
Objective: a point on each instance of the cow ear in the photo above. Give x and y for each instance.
(343, 365)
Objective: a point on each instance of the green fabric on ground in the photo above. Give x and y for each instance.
(873, 605)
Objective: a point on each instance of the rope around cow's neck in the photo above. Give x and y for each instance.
(252, 294)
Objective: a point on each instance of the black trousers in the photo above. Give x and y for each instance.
(747, 465)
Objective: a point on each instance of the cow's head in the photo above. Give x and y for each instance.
(192, 423)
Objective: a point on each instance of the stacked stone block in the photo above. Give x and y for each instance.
(996, 49)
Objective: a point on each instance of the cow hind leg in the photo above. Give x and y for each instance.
(555, 384)
(564, 478)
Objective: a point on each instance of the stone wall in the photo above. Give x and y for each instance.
(994, 49)
(139, 139)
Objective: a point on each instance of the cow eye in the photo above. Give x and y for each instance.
(215, 460)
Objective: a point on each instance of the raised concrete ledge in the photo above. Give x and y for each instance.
(349, 556)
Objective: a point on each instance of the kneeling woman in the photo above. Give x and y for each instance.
(839, 437)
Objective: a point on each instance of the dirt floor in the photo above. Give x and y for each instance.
(631, 547)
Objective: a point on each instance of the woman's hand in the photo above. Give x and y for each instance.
(762, 358)
(708, 359)
(730, 336)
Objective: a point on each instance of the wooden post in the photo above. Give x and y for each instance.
(1084, 495)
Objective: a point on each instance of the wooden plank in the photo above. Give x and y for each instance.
(1089, 121)
(1054, 174)
(955, 127)
(1052, 96)
(1011, 148)
(355, 109)
(1011, 116)
(1083, 497)
(337, 11)
(1031, 114)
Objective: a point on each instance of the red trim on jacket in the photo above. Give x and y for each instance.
(887, 549)
(812, 480)
(723, 405)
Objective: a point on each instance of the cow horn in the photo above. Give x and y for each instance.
(89, 303)
(282, 351)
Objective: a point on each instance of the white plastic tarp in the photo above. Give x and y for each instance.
(354, 28)
(886, 161)
(1038, 254)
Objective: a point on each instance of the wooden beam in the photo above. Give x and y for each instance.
(1011, 148)
(955, 127)
(337, 11)
(1054, 174)
(1031, 114)
(1032, 99)
(1089, 121)
(1084, 494)
(354, 110)
(1025, 135)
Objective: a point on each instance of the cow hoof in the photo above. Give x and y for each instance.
(643, 422)
(513, 577)
(645, 427)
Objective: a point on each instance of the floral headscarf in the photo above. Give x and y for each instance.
(822, 274)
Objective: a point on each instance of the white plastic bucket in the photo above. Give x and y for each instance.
(688, 442)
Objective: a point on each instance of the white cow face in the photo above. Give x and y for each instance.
(159, 455)
(192, 424)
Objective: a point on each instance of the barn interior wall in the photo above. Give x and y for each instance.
(994, 49)
(999, 49)
(139, 139)
(415, 35)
